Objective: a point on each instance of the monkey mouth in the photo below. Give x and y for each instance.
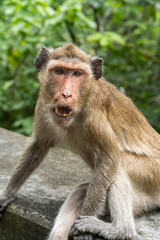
(63, 112)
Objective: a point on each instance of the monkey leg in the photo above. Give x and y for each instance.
(29, 160)
(120, 208)
(69, 212)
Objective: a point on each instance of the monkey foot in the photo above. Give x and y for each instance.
(86, 236)
(86, 224)
(84, 228)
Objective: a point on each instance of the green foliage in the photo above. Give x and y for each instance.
(126, 33)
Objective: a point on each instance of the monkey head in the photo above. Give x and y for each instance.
(67, 76)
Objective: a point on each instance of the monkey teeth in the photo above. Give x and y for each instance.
(56, 110)
(63, 112)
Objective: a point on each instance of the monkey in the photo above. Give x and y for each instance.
(79, 108)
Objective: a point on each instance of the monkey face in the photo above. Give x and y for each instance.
(67, 76)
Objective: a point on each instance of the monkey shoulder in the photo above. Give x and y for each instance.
(117, 116)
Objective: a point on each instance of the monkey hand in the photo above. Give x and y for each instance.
(5, 201)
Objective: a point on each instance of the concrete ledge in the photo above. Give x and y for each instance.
(43, 193)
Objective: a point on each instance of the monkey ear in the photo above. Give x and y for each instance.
(97, 68)
(42, 58)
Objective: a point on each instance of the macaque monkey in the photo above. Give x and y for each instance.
(78, 107)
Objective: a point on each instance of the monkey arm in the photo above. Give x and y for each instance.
(106, 159)
(95, 201)
(29, 160)
(103, 176)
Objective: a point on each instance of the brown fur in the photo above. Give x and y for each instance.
(70, 51)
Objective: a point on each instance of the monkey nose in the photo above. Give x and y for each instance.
(66, 93)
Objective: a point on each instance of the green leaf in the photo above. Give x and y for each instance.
(86, 20)
(7, 85)
(106, 38)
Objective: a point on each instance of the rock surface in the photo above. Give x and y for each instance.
(45, 190)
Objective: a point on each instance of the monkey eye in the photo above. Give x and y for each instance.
(59, 71)
(77, 73)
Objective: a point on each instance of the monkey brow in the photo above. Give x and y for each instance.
(69, 65)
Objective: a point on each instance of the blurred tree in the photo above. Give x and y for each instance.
(126, 33)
